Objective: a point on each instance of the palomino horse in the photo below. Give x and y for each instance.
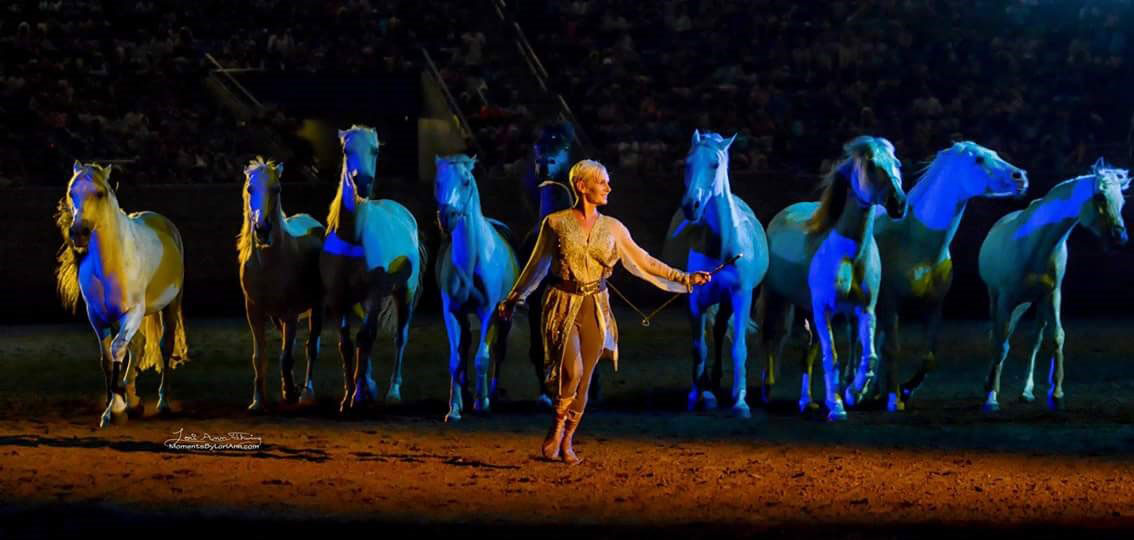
(129, 270)
(823, 258)
(1023, 260)
(917, 268)
(712, 226)
(372, 254)
(476, 270)
(545, 186)
(279, 274)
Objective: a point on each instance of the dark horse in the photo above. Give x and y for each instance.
(547, 190)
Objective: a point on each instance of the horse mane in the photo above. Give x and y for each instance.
(834, 186)
(335, 209)
(67, 271)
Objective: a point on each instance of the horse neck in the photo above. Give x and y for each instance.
(937, 204)
(856, 222)
(110, 243)
(721, 217)
(1051, 219)
(345, 210)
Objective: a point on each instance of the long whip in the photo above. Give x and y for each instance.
(646, 318)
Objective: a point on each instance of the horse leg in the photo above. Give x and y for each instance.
(831, 376)
(362, 395)
(134, 406)
(741, 304)
(535, 350)
(173, 324)
(498, 338)
(720, 331)
(864, 374)
(289, 328)
(773, 316)
(481, 403)
(256, 321)
(404, 306)
(463, 359)
(1055, 378)
(891, 349)
(806, 402)
(929, 363)
(104, 360)
(314, 333)
(453, 331)
(346, 353)
(1002, 326)
(700, 391)
(128, 325)
(1028, 395)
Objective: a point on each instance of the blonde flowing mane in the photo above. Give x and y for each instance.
(67, 271)
(835, 185)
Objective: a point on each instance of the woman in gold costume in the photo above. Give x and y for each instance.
(579, 248)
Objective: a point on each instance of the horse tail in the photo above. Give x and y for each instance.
(175, 322)
(423, 263)
(151, 332)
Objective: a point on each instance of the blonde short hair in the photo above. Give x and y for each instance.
(584, 171)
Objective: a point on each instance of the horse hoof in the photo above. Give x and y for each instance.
(393, 398)
(1027, 397)
(481, 406)
(806, 405)
(710, 401)
(991, 407)
(453, 417)
(307, 398)
(115, 412)
(138, 410)
(289, 395)
(691, 400)
(849, 397)
(544, 402)
(741, 410)
(836, 412)
(256, 407)
(893, 404)
(1055, 403)
(163, 408)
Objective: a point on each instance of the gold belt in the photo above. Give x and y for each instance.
(584, 288)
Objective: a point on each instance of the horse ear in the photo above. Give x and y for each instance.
(76, 167)
(1099, 165)
(106, 170)
(696, 136)
(728, 142)
(279, 169)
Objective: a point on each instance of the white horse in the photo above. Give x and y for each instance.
(1023, 260)
(372, 255)
(129, 270)
(823, 258)
(476, 269)
(279, 275)
(712, 226)
(917, 268)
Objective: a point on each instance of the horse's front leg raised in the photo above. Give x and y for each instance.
(256, 323)
(128, 325)
(831, 375)
(865, 372)
(314, 332)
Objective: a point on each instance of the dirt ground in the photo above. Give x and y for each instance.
(650, 468)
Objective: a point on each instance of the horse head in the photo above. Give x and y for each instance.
(360, 153)
(983, 173)
(874, 174)
(552, 151)
(706, 172)
(1103, 216)
(92, 202)
(455, 188)
(262, 198)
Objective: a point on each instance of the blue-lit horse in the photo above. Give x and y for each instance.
(823, 258)
(129, 270)
(712, 226)
(475, 271)
(917, 268)
(1023, 260)
(372, 255)
(546, 191)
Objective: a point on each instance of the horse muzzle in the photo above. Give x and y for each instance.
(262, 234)
(449, 217)
(80, 236)
(692, 209)
(1117, 235)
(1021, 179)
(896, 206)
